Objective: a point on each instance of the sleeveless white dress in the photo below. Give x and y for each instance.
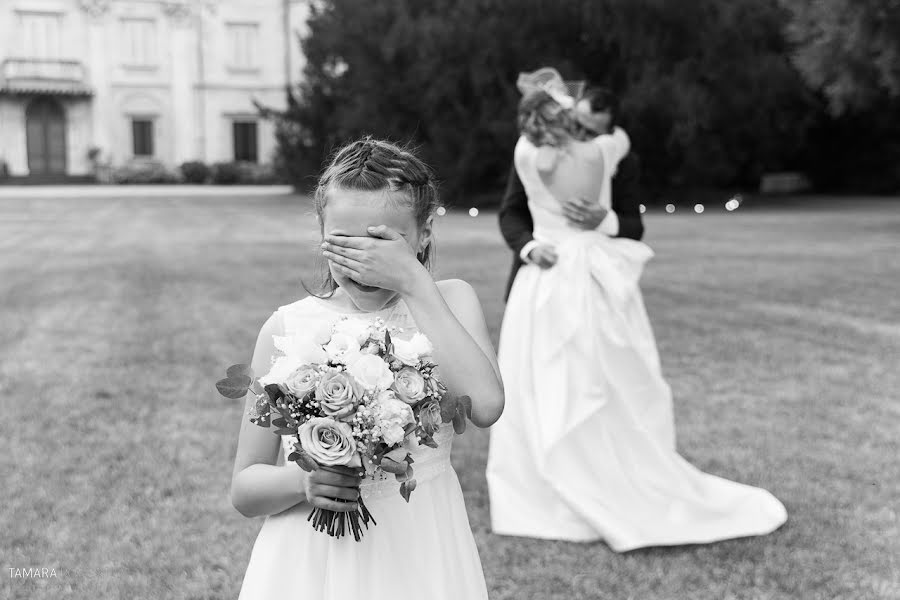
(585, 449)
(421, 548)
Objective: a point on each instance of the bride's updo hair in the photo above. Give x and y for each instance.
(545, 123)
(372, 165)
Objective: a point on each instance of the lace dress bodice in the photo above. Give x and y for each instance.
(308, 315)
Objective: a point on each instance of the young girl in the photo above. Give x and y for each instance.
(375, 205)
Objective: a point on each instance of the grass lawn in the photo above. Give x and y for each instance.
(778, 331)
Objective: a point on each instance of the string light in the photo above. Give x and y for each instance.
(441, 211)
(642, 208)
(670, 208)
(473, 212)
(698, 208)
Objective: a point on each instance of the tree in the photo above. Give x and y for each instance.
(707, 91)
(849, 49)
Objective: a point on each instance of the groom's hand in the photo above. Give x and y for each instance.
(583, 213)
(543, 255)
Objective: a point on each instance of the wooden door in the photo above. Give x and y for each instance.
(45, 133)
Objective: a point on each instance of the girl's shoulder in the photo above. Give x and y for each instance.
(457, 293)
(296, 316)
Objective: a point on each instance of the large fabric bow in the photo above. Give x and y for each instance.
(548, 79)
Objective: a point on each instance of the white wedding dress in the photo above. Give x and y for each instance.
(421, 548)
(585, 449)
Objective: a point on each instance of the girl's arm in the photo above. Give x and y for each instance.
(450, 314)
(258, 486)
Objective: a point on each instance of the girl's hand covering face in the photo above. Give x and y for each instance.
(384, 259)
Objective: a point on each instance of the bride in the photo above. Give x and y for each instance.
(586, 448)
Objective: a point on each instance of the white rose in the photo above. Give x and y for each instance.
(405, 352)
(342, 348)
(300, 347)
(389, 410)
(371, 372)
(281, 369)
(393, 434)
(355, 328)
(421, 344)
(321, 334)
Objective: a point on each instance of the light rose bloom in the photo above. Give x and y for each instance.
(329, 442)
(392, 434)
(300, 382)
(300, 346)
(342, 348)
(411, 351)
(281, 369)
(392, 415)
(430, 416)
(321, 334)
(338, 394)
(410, 385)
(405, 353)
(358, 329)
(371, 372)
(421, 344)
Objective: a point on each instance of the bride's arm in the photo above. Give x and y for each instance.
(450, 314)
(259, 486)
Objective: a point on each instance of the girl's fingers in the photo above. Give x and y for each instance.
(344, 251)
(338, 492)
(345, 241)
(334, 505)
(342, 260)
(345, 271)
(384, 232)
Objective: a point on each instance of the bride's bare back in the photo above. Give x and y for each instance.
(578, 171)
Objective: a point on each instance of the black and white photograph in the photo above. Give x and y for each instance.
(450, 299)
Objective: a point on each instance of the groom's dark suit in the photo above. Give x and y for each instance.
(517, 225)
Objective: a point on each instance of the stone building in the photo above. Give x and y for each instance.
(124, 81)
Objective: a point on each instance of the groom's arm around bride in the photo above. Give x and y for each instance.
(517, 226)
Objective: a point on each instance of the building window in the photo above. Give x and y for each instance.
(41, 35)
(244, 140)
(138, 43)
(242, 41)
(142, 136)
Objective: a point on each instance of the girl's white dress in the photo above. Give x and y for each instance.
(585, 449)
(423, 548)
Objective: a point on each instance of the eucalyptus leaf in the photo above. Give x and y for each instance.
(235, 370)
(304, 460)
(465, 403)
(406, 488)
(459, 423)
(448, 408)
(260, 421)
(233, 388)
(279, 422)
(274, 392)
(284, 431)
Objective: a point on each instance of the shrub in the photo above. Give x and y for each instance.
(225, 173)
(143, 172)
(245, 173)
(195, 171)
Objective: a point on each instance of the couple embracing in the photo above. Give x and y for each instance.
(585, 450)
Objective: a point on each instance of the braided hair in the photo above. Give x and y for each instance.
(373, 165)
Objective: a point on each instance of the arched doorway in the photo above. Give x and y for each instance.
(45, 134)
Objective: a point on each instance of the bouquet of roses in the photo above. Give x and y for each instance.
(355, 396)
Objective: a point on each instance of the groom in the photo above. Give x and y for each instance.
(624, 220)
